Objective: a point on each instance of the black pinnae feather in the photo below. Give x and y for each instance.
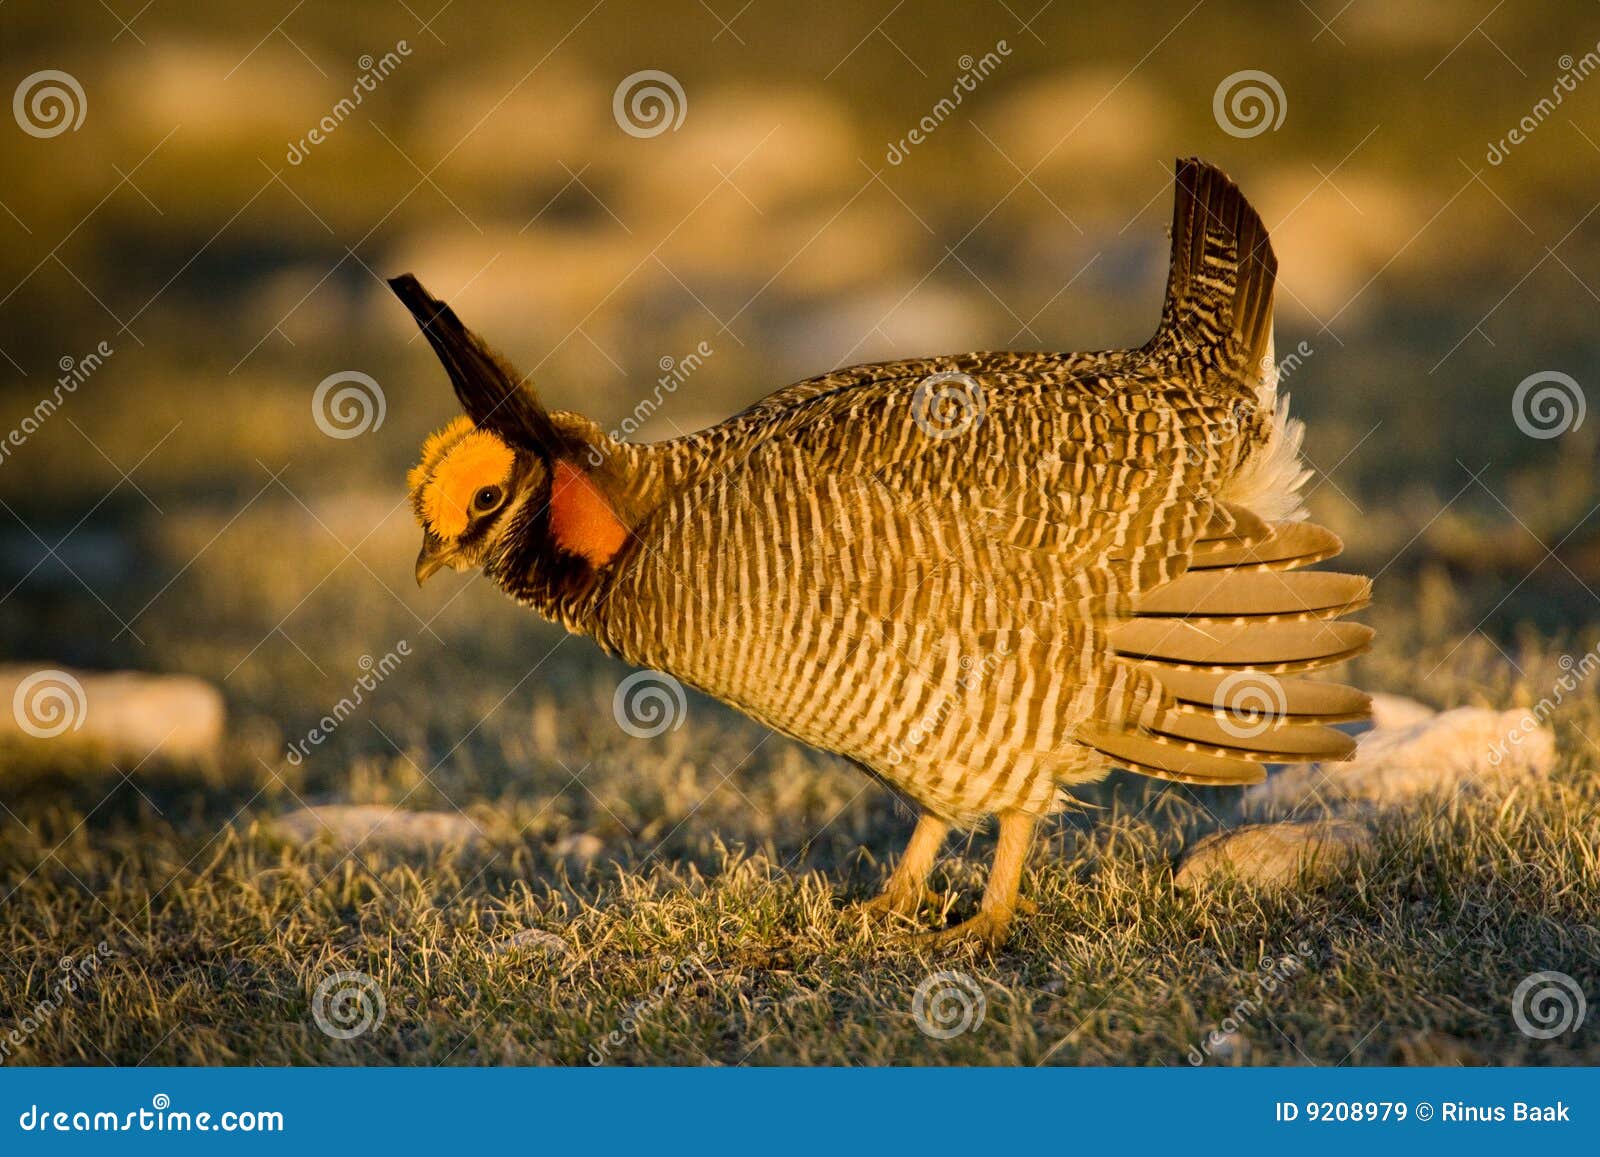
(490, 391)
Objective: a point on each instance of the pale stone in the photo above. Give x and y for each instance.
(354, 826)
(1391, 711)
(545, 727)
(1230, 1046)
(1469, 747)
(129, 714)
(1274, 854)
(1432, 1049)
(533, 940)
(580, 846)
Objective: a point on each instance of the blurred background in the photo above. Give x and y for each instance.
(231, 264)
(665, 211)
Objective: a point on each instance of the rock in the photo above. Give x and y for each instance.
(1469, 746)
(1027, 121)
(352, 826)
(580, 846)
(545, 728)
(880, 322)
(1274, 854)
(1321, 232)
(130, 714)
(1230, 1047)
(1431, 1049)
(1391, 711)
(533, 940)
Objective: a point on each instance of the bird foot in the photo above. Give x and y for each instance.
(988, 930)
(903, 902)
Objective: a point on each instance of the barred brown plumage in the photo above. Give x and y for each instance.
(983, 577)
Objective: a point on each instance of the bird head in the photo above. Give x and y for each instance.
(507, 479)
(467, 493)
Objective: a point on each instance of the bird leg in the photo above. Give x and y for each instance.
(992, 925)
(907, 890)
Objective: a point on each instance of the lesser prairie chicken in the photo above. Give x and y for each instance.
(983, 577)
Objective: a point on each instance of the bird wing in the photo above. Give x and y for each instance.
(1028, 534)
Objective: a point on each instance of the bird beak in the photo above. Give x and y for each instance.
(434, 555)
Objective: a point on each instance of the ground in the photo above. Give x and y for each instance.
(707, 918)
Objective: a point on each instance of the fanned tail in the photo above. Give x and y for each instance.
(1227, 641)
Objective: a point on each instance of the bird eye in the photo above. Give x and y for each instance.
(486, 499)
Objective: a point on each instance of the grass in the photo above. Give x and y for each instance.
(726, 858)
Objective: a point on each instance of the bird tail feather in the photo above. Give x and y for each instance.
(1228, 641)
(1220, 285)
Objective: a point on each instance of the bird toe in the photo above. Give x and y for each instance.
(987, 930)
